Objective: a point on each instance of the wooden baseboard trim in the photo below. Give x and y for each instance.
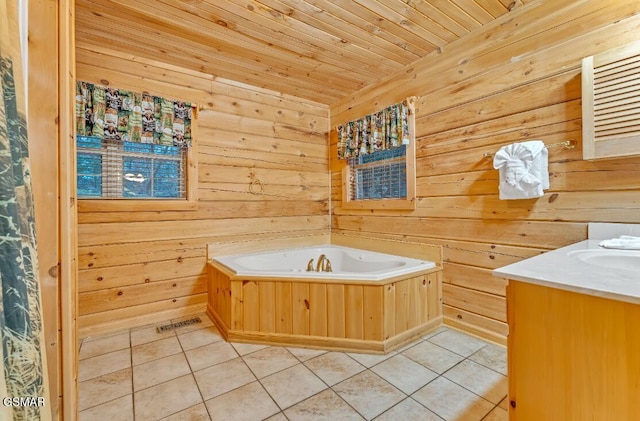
(402, 339)
(321, 342)
(476, 331)
(137, 321)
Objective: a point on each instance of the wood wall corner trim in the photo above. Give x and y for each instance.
(68, 209)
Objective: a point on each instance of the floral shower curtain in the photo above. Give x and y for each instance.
(21, 330)
(384, 129)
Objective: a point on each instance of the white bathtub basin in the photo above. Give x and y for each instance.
(347, 263)
(614, 259)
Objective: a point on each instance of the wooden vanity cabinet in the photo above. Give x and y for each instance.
(571, 356)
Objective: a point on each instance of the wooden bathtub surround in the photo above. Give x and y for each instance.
(359, 316)
(340, 315)
(571, 356)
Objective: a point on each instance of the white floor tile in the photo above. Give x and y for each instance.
(480, 380)
(408, 410)
(247, 403)
(208, 355)
(334, 367)
(493, 357)
(104, 364)
(458, 342)
(104, 388)
(498, 414)
(403, 373)
(199, 337)
(166, 398)
(159, 371)
(106, 345)
(145, 334)
(451, 401)
(269, 360)
(433, 357)
(195, 413)
(369, 360)
(150, 351)
(304, 354)
(244, 349)
(325, 406)
(120, 409)
(293, 385)
(222, 378)
(369, 394)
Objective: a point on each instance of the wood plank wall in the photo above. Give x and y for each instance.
(516, 79)
(141, 267)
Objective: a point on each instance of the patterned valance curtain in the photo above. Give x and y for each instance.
(385, 129)
(128, 116)
(23, 370)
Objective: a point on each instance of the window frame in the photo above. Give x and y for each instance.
(409, 203)
(152, 204)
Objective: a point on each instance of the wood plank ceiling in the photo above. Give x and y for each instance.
(320, 50)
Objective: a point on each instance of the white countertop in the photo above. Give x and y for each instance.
(558, 269)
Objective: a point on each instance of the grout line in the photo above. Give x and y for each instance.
(467, 389)
(410, 397)
(492, 409)
(343, 380)
(106, 402)
(260, 382)
(156, 358)
(130, 378)
(184, 353)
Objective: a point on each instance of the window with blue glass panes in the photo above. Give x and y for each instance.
(379, 175)
(89, 166)
(128, 170)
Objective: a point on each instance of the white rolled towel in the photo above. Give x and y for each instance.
(627, 242)
(523, 169)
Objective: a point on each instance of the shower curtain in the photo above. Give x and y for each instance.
(23, 382)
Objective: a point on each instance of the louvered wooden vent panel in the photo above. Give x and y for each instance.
(611, 103)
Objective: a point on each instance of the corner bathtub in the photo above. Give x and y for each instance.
(370, 302)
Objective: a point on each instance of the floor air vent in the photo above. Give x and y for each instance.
(171, 326)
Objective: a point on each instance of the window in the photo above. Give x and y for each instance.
(129, 170)
(379, 174)
(135, 151)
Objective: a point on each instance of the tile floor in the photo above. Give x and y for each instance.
(192, 374)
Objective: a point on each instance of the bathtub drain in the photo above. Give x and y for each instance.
(181, 323)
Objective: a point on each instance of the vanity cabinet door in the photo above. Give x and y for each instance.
(571, 356)
(511, 362)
